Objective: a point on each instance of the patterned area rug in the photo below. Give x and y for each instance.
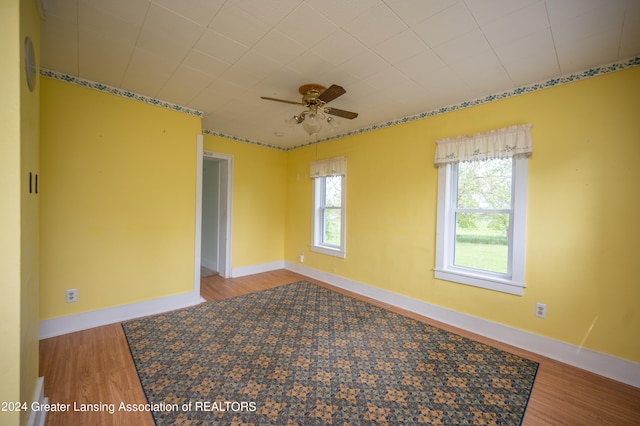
(303, 354)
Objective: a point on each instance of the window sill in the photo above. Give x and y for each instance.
(482, 281)
(329, 251)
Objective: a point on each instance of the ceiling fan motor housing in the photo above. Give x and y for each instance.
(310, 98)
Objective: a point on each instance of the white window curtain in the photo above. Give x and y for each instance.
(330, 167)
(514, 141)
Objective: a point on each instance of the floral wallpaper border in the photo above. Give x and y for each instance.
(591, 72)
(118, 92)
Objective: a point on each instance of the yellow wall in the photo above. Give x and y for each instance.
(10, 281)
(258, 216)
(19, 212)
(117, 199)
(582, 228)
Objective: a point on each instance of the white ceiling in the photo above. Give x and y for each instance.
(395, 58)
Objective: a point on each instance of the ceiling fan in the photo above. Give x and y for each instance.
(315, 98)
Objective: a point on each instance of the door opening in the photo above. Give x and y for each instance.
(213, 213)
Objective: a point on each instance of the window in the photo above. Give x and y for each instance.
(328, 207)
(482, 210)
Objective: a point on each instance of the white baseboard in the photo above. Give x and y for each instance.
(619, 369)
(68, 324)
(596, 362)
(256, 269)
(37, 418)
(209, 264)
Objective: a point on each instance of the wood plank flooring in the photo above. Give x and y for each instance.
(93, 366)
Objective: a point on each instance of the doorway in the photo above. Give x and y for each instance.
(213, 213)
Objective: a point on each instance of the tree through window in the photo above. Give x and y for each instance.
(482, 198)
(329, 178)
(483, 213)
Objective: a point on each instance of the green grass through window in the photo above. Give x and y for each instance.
(489, 257)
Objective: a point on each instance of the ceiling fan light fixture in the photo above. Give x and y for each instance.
(296, 119)
(314, 98)
(333, 124)
(312, 123)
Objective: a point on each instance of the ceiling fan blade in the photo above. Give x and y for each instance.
(342, 113)
(281, 100)
(331, 93)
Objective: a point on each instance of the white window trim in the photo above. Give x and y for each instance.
(445, 269)
(316, 237)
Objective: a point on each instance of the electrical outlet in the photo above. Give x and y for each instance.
(302, 257)
(541, 310)
(72, 295)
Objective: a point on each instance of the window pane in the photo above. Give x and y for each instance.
(331, 234)
(482, 241)
(485, 184)
(333, 188)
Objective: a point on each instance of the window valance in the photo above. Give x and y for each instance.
(511, 141)
(330, 167)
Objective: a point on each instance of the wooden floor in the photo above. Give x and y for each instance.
(95, 366)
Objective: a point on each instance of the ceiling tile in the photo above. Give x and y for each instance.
(170, 51)
(306, 25)
(170, 45)
(147, 73)
(529, 59)
(521, 23)
(309, 64)
(446, 25)
(282, 85)
(566, 10)
(375, 25)
(205, 63)
(341, 12)
(446, 88)
(240, 76)
(486, 11)
(401, 47)
(597, 49)
(364, 65)
(590, 23)
(395, 82)
(278, 47)
(199, 11)
(420, 66)
(184, 32)
(338, 47)
(59, 49)
(630, 39)
(220, 47)
(237, 24)
(336, 76)
(484, 78)
(533, 45)
(216, 95)
(131, 12)
(269, 12)
(414, 11)
(109, 22)
(590, 38)
(471, 45)
(532, 69)
(257, 65)
(103, 60)
(64, 10)
(184, 85)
